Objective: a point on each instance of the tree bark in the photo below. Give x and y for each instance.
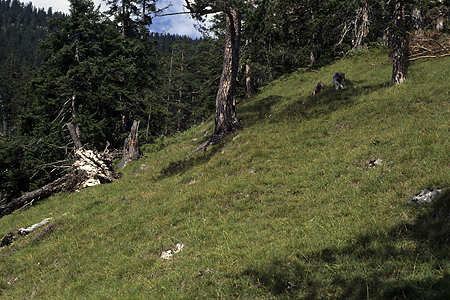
(249, 83)
(131, 151)
(74, 135)
(225, 117)
(398, 44)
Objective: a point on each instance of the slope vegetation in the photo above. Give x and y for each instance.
(307, 201)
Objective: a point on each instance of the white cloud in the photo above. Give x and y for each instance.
(180, 24)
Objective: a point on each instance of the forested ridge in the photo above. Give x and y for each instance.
(101, 71)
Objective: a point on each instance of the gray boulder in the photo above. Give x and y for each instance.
(425, 196)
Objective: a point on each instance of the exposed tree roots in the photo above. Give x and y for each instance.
(90, 168)
(213, 139)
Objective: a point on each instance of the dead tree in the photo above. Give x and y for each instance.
(131, 151)
(90, 168)
(398, 44)
(13, 235)
(361, 25)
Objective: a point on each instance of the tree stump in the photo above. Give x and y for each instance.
(131, 150)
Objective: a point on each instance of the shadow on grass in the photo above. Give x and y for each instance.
(257, 110)
(306, 107)
(254, 111)
(184, 164)
(410, 261)
(330, 100)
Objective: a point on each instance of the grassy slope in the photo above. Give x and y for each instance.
(288, 207)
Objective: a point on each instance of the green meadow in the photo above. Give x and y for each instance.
(292, 206)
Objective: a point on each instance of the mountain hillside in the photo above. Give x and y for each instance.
(306, 201)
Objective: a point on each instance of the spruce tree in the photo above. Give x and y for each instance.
(93, 77)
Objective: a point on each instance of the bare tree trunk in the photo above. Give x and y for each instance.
(13, 235)
(4, 117)
(312, 51)
(131, 151)
(90, 168)
(36, 195)
(398, 44)
(168, 94)
(417, 19)
(225, 117)
(123, 18)
(180, 96)
(249, 83)
(75, 109)
(361, 25)
(74, 135)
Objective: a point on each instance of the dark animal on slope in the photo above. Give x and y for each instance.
(338, 80)
(318, 88)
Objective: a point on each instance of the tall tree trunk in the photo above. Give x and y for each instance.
(249, 83)
(74, 114)
(74, 135)
(398, 43)
(312, 51)
(124, 10)
(4, 117)
(361, 25)
(225, 117)
(417, 19)
(180, 96)
(169, 87)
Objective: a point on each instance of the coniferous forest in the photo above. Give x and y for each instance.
(103, 70)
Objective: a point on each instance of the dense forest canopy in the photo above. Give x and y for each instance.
(101, 71)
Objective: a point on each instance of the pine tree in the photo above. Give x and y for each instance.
(133, 16)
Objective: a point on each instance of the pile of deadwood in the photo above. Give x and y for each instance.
(89, 169)
(427, 44)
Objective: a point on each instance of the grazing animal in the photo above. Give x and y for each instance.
(338, 79)
(318, 88)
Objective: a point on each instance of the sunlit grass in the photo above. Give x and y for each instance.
(291, 206)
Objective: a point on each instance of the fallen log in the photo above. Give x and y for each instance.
(13, 235)
(90, 168)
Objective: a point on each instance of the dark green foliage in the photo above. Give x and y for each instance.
(133, 15)
(282, 36)
(190, 84)
(22, 27)
(94, 77)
